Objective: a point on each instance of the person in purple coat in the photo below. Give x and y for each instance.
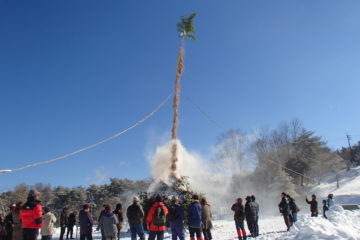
(86, 222)
(176, 219)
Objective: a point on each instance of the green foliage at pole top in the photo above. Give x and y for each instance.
(186, 26)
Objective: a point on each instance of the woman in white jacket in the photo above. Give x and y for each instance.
(47, 230)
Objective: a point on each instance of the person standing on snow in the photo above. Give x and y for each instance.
(156, 219)
(135, 215)
(176, 219)
(9, 222)
(63, 222)
(86, 222)
(256, 207)
(47, 230)
(31, 216)
(313, 205)
(120, 215)
(285, 210)
(330, 200)
(194, 218)
(239, 217)
(293, 209)
(250, 215)
(108, 223)
(206, 219)
(71, 224)
(17, 232)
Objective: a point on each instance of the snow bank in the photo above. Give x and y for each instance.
(341, 224)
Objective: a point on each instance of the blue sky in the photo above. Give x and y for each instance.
(74, 72)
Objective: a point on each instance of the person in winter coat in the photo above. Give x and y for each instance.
(31, 216)
(2, 227)
(47, 230)
(176, 219)
(330, 200)
(86, 222)
(108, 222)
(239, 217)
(102, 231)
(325, 208)
(17, 226)
(194, 221)
(63, 222)
(206, 219)
(313, 205)
(156, 219)
(285, 210)
(251, 213)
(256, 224)
(71, 224)
(119, 214)
(135, 215)
(293, 209)
(9, 222)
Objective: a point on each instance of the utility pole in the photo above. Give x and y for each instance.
(351, 151)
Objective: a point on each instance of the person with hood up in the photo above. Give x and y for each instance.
(108, 222)
(135, 215)
(194, 218)
(156, 219)
(63, 222)
(330, 200)
(17, 232)
(313, 205)
(86, 223)
(47, 230)
(206, 219)
(285, 210)
(119, 214)
(71, 224)
(31, 216)
(239, 217)
(176, 219)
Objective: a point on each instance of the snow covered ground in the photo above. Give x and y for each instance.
(341, 224)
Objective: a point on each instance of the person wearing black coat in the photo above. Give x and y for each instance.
(285, 210)
(313, 205)
(120, 215)
(71, 224)
(251, 213)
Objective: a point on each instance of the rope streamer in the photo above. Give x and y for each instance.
(95, 144)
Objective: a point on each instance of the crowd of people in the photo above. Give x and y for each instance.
(26, 221)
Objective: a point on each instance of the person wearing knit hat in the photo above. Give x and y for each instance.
(135, 215)
(31, 216)
(239, 217)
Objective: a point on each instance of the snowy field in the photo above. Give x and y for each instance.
(341, 224)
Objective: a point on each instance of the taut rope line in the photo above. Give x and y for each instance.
(95, 144)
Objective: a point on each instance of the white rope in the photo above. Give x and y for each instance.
(95, 144)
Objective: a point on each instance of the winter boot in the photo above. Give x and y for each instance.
(244, 234)
(192, 238)
(200, 238)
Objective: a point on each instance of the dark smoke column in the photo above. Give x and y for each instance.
(186, 29)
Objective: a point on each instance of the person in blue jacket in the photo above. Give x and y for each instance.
(330, 200)
(176, 219)
(194, 215)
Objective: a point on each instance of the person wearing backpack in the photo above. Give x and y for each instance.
(176, 219)
(156, 219)
(194, 215)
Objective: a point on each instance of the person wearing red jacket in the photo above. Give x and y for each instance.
(31, 216)
(156, 219)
